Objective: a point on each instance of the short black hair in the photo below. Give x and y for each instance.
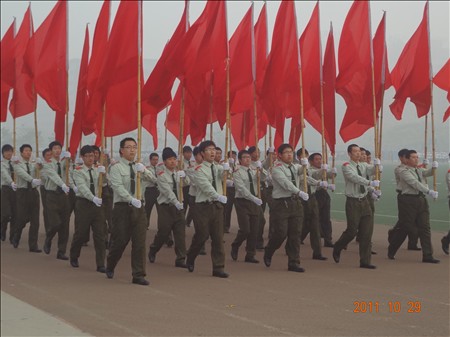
(242, 152)
(230, 153)
(95, 148)
(409, 153)
(45, 151)
(207, 143)
(402, 153)
(362, 149)
(87, 149)
(24, 146)
(311, 156)
(168, 153)
(7, 147)
(127, 139)
(283, 147)
(251, 149)
(53, 144)
(218, 149)
(196, 151)
(300, 150)
(350, 147)
(187, 149)
(153, 154)
(368, 153)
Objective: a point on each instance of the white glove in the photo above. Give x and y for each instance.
(65, 188)
(75, 189)
(15, 159)
(106, 152)
(269, 178)
(64, 154)
(380, 168)
(258, 164)
(179, 205)
(101, 169)
(271, 149)
(230, 161)
(434, 164)
(97, 201)
(331, 187)
(140, 168)
(230, 183)
(222, 199)
(334, 170)
(14, 186)
(374, 183)
(226, 166)
(426, 161)
(181, 174)
(113, 161)
(303, 195)
(374, 196)
(433, 194)
(39, 161)
(257, 201)
(324, 166)
(377, 161)
(304, 162)
(36, 182)
(323, 183)
(136, 203)
(79, 161)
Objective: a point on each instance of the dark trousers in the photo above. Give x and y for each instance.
(28, 206)
(88, 216)
(231, 192)
(324, 207)
(286, 221)
(311, 224)
(151, 195)
(413, 236)
(44, 206)
(129, 223)
(8, 207)
(208, 222)
(248, 215)
(170, 219)
(107, 198)
(58, 218)
(414, 215)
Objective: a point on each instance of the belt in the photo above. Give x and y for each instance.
(294, 197)
(123, 203)
(207, 202)
(358, 199)
(150, 187)
(414, 195)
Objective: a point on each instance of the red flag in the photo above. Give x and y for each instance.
(329, 86)
(411, 75)
(24, 96)
(48, 52)
(80, 104)
(281, 88)
(442, 80)
(7, 68)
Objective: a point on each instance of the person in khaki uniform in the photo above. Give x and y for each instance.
(286, 210)
(89, 212)
(129, 219)
(209, 208)
(8, 193)
(357, 209)
(57, 200)
(257, 165)
(187, 163)
(170, 210)
(27, 199)
(248, 208)
(414, 210)
(231, 193)
(151, 188)
(46, 156)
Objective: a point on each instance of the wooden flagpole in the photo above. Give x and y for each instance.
(165, 129)
(228, 122)
(180, 143)
(322, 113)
(102, 153)
(139, 108)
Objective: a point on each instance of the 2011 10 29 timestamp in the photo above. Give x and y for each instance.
(395, 307)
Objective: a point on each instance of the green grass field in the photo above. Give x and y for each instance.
(386, 208)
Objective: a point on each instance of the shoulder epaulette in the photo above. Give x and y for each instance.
(198, 167)
(278, 165)
(448, 171)
(160, 164)
(161, 173)
(346, 163)
(78, 168)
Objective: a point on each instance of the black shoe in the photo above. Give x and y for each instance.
(444, 242)
(47, 246)
(151, 256)
(109, 273)
(101, 270)
(190, 265)
(390, 235)
(373, 252)
(251, 259)
(234, 253)
(74, 263)
(140, 280)
(328, 244)
(180, 264)
(336, 255)
(296, 268)
(35, 250)
(61, 256)
(414, 248)
(367, 266)
(267, 260)
(430, 260)
(220, 274)
(169, 243)
(319, 257)
(391, 256)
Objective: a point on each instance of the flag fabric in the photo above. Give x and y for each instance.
(81, 100)
(24, 97)
(7, 68)
(442, 80)
(329, 87)
(411, 76)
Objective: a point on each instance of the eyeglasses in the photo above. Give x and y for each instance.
(210, 149)
(130, 147)
(287, 152)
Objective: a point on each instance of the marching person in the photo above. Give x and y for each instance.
(89, 212)
(286, 210)
(446, 239)
(413, 207)
(257, 165)
(27, 199)
(8, 191)
(231, 192)
(357, 209)
(47, 156)
(151, 190)
(129, 218)
(209, 203)
(187, 163)
(170, 210)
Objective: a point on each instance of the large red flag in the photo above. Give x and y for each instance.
(81, 100)
(442, 80)
(411, 76)
(281, 88)
(48, 53)
(24, 96)
(7, 68)
(329, 86)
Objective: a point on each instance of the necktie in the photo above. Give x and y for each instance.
(132, 179)
(252, 188)
(11, 169)
(154, 167)
(91, 182)
(174, 185)
(292, 176)
(309, 185)
(59, 168)
(213, 177)
(29, 172)
(418, 176)
(362, 188)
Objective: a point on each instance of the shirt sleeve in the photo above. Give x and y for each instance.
(353, 177)
(83, 189)
(203, 184)
(241, 186)
(279, 176)
(52, 175)
(165, 189)
(117, 184)
(6, 177)
(21, 172)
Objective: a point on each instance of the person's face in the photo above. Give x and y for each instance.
(316, 162)
(234, 156)
(154, 160)
(287, 156)
(218, 156)
(56, 151)
(300, 156)
(363, 157)
(88, 159)
(96, 155)
(187, 155)
(129, 150)
(413, 160)
(199, 158)
(26, 153)
(355, 154)
(171, 163)
(245, 160)
(255, 155)
(368, 159)
(210, 154)
(403, 160)
(8, 154)
(48, 155)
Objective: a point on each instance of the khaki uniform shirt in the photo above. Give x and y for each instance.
(151, 183)
(203, 181)
(448, 182)
(283, 187)
(22, 177)
(166, 186)
(409, 180)
(242, 183)
(353, 180)
(6, 173)
(312, 183)
(83, 181)
(190, 172)
(50, 170)
(397, 176)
